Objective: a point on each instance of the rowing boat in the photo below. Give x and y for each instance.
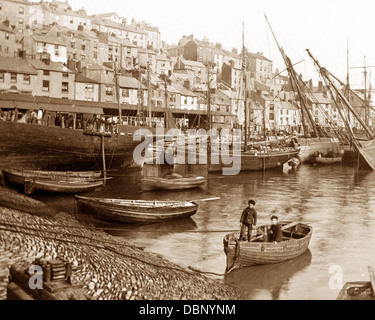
(62, 186)
(135, 211)
(296, 239)
(18, 176)
(328, 160)
(359, 290)
(172, 182)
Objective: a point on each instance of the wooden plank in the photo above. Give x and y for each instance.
(289, 225)
(372, 279)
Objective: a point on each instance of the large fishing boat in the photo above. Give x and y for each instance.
(33, 146)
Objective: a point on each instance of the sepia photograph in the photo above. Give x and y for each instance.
(187, 155)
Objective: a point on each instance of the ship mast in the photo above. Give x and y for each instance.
(244, 80)
(298, 85)
(326, 76)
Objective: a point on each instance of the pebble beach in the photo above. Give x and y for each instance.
(112, 268)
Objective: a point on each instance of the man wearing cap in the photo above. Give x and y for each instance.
(248, 220)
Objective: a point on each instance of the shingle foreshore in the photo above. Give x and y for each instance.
(112, 268)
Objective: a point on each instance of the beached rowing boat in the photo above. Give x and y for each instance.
(172, 182)
(135, 211)
(296, 239)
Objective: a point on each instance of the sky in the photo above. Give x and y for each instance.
(326, 27)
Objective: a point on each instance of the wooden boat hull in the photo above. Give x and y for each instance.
(31, 146)
(358, 290)
(309, 147)
(327, 160)
(367, 152)
(18, 176)
(257, 162)
(64, 186)
(135, 211)
(159, 183)
(242, 253)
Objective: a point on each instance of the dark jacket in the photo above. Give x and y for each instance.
(276, 233)
(249, 214)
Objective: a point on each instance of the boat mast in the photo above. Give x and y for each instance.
(295, 82)
(118, 97)
(327, 79)
(245, 84)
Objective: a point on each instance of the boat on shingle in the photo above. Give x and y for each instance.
(135, 211)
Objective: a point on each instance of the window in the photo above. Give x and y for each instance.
(71, 21)
(7, 36)
(21, 10)
(56, 47)
(125, 93)
(57, 53)
(95, 45)
(13, 77)
(65, 75)
(26, 79)
(72, 45)
(83, 47)
(2, 76)
(20, 21)
(95, 55)
(89, 87)
(128, 50)
(45, 85)
(1, 6)
(272, 116)
(172, 97)
(65, 87)
(46, 72)
(109, 91)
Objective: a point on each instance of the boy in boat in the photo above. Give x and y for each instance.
(248, 220)
(275, 233)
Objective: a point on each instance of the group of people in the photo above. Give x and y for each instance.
(248, 222)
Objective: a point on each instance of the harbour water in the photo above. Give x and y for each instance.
(337, 201)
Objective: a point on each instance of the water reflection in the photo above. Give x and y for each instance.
(267, 281)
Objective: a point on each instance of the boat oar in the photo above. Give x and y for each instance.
(207, 199)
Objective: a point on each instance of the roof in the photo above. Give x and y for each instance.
(260, 86)
(5, 28)
(53, 66)
(319, 98)
(97, 66)
(258, 56)
(127, 82)
(48, 39)
(83, 79)
(192, 63)
(162, 57)
(181, 89)
(16, 65)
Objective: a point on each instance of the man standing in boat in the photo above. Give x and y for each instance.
(248, 220)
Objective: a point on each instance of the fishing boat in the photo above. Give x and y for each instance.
(256, 160)
(62, 186)
(359, 290)
(41, 147)
(296, 239)
(328, 160)
(135, 211)
(172, 181)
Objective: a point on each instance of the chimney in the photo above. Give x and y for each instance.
(219, 46)
(320, 86)
(6, 23)
(234, 50)
(47, 61)
(80, 27)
